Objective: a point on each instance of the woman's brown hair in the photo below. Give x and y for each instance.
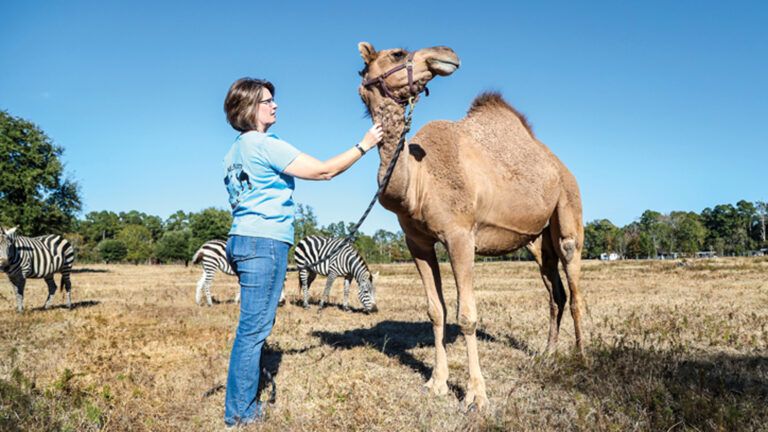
(242, 102)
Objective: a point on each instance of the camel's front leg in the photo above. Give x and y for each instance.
(461, 248)
(426, 262)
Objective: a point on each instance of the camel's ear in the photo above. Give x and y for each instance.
(367, 52)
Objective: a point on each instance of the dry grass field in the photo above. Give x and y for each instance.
(671, 347)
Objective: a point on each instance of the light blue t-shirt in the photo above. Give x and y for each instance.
(260, 194)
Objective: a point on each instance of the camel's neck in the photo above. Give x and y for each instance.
(391, 117)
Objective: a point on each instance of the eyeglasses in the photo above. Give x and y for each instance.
(268, 101)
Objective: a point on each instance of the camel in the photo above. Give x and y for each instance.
(483, 185)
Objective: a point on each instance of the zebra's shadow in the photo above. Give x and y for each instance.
(396, 338)
(75, 305)
(316, 305)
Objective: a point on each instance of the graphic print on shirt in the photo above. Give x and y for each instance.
(237, 182)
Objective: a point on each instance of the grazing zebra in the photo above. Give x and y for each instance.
(36, 257)
(213, 256)
(347, 263)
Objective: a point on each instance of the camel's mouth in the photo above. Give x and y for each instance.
(443, 66)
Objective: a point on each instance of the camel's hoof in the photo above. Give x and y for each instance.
(475, 403)
(438, 389)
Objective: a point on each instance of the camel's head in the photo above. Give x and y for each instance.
(367, 292)
(385, 73)
(7, 246)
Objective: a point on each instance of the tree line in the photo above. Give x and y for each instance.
(136, 237)
(36, 196)
(725, 229)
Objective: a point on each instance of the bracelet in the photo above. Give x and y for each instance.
(359, 147)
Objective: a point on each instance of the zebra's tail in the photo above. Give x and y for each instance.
(293, 269)
(198, 256)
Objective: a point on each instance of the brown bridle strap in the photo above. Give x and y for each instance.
(380, 81)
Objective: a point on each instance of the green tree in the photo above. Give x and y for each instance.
(112, 250)
(338, 230)
(762, 214)
(178, 221)
(34, 195)
(727, 228)
(138, 240)
(304, 223)
(174, 246)
(601, 236)
(689, 232)
(209, 224)
(658, 228)
(98, 226)
(384, 240)
(367, 247)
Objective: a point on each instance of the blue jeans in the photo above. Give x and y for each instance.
(260, 265)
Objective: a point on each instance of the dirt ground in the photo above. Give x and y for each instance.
(671, 346)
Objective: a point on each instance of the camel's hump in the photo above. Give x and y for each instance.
(489, 101)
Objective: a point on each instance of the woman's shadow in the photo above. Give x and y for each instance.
(396, 338)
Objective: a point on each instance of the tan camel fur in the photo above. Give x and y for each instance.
(481, 185)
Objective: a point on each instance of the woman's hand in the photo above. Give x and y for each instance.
(372, 137)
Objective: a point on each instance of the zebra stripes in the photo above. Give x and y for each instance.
(346, 263)
(213, 257)
(36, 257)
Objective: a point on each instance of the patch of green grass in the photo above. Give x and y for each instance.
(63, 406)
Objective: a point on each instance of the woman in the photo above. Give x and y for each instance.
(259, 174)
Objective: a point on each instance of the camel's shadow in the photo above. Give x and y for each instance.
(396, 338)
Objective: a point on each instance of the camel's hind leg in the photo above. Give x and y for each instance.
(568, 240)
(426, 262)
(547, 259)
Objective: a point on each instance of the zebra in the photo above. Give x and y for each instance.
(36, 257)
(213, 256)
(347, 263)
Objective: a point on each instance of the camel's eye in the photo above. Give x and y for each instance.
(398, 55)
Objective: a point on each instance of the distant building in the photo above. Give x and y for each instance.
(668, 255)
(706, 254)
(613, 256)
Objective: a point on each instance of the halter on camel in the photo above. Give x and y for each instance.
(380, 81)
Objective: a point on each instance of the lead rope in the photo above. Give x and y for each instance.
(382, 186)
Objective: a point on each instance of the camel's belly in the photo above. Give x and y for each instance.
(494, 241)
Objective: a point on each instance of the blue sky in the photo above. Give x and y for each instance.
(653, 104)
